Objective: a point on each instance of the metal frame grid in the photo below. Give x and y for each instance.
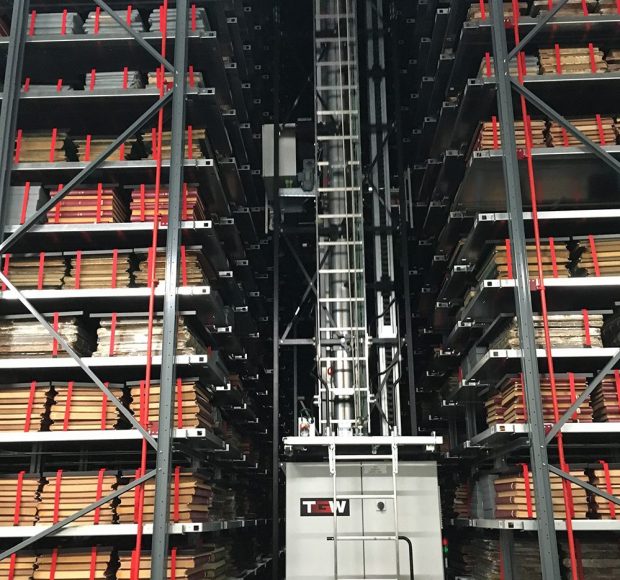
(539, 440)
(8, 122)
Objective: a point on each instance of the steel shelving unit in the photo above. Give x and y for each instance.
(229, 313)
(464, 200)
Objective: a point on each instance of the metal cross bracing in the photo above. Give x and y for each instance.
(539, 437)
(175, 96)
(344, 397)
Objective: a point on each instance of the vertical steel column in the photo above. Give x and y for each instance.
(404, 227)
(159, 557)
(547, 540)
(10, 102)
(506, 546)
(277, 226)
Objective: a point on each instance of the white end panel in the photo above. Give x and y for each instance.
(309, 555)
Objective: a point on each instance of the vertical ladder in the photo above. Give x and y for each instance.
(342, 337)
(363, 537)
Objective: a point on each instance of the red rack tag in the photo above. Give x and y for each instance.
(190, 142)
(33, 19)
(592, 57)
(18, 497)
(179, 404)
(495, 132)
(601, 131)
(18, 144)
(554, 261)
(5, 268)
(97, 17)
(27, 85)
(93, 78)
(522, 379)
(31, 395)
(528, 491)
(53, 145)
(573, 392)
(87, 148)
(41, 271)
(59, 85)
(63, 25)
(487, 60)
(104, 408)
(509, 259)
(558, 59)
(177, 490)
(173, 559)
(586, 327)
(114, 267)
(597, 268)
(67, 417)
(184, 202)
(192, 80)
(99, 202)
(617, 381)
(183, 266)
(100, 475)
(125, 77)
(78, 268)
(483, 10)
(609, 487)
(56, 516)
(112, 333)
(54, 564)
(25, 199)
(93, 563)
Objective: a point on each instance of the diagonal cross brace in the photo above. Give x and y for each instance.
(18, 234)
(77, 515)
(137, 36)
(585, 485)
(78, 359)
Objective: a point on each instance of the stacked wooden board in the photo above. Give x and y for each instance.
(475, 11)
(64, 494)
(607, 480)
(191, 497)
(100, 270)
(131, 333)
(44, 271)
(194, 267)
(599, 557)
(19, 500)
(571, 8)
(23, 338)
(596, 256)
(83, 407)
(193, 144)
(572, 60)
(565, 330)
(99, 205)
(75, 564)
(41, 147)
(462, 500)
(24, 407)
(22, 566)
(508, 404)
(516, 499)
(187, 565)
(613, 60)
(601, 131)
(143, 202)
(606, 399)
(193, 405)
(490, 134)
(89, 148)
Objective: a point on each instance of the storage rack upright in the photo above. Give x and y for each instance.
(467, 199)
(229, 314)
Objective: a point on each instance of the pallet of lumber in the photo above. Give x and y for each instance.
(89, 148)
(555, 262)
(194, 268)
(186, 565)
(599, 557)
(23, 202)
(100, 269)
(475, 11)
(490, 136)
(22, 564)
(603, 133)
(487, 67)
(41, 147)
(23, 337)
(55, 23)
(508, 405)
(193, 406)
(94, 563)
(24, 407)
(194, 79)
(19, 500)
(565, 330)
(571, 61)
(607, 480)
(100, 22)
(194, 143)
(191, 498)
(513, 501)
(83, 407)
(101, 205)
(130, 337)
(596, 256)
(571, 8)
(44, 271)
(63, 494)
(143, 200)
(606, 400)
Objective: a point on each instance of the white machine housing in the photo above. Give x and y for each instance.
(310, 521)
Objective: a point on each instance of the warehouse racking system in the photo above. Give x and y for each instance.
(499, 211)
(130, 164)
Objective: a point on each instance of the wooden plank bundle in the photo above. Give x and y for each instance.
(531, 67)
(23, 566)
(89, 205)
(555, 262)
(130, 338)
(565, 330)
(88, 148)
(607, 7)
(75, 564)
(571, 61)
(24, 407)
(191, 497)
(41, 146)
(193, 406)
(603, 133)
(193, 272)
(36, 271)
(23, 201)
(194, 79)
(596, 256)
(613, 59)
(100, 270)
(606, 400)
(189, 565)
(194, 142)
(65, 493)
(490, 134)
(475, 10)
(610, 483)
(142, 204)
(19, 500)
(508, 405)
(512, 500)
(462, 500)
(571, 8)
(23, 338)
(83, 407)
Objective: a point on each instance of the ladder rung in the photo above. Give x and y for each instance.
(350, 39)
(337, 165)
(367, 496)
(336, 300)
(362, 457)
(341, 243)
(342, 271)
(333, 216)
(367, 538)
(342, 392)
(337, 63)
(340, 328)
(334, 16)
(343, 358)
(337, 112)
(337, 138)
(337, 88)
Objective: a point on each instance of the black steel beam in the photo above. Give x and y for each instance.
(167, 383)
